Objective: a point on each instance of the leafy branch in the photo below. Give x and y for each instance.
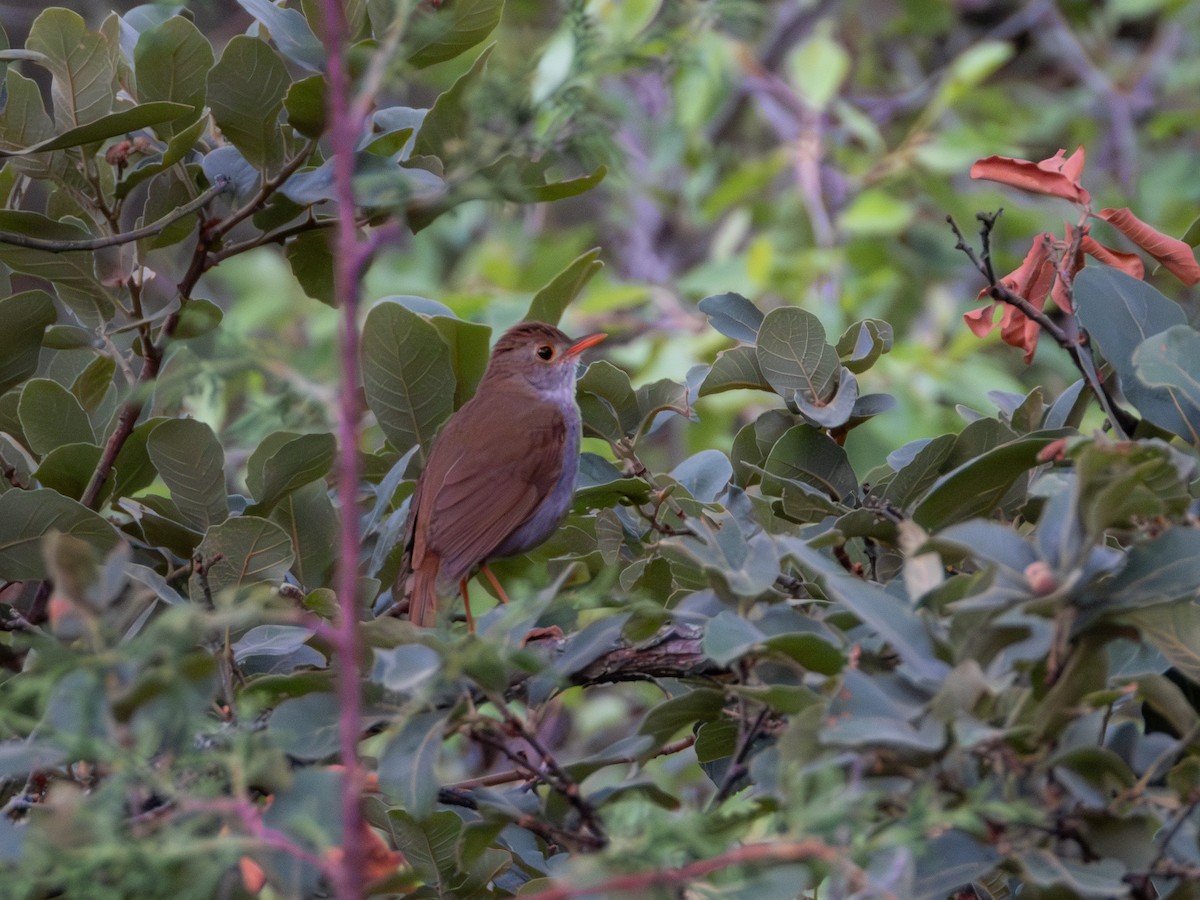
(1122, 421)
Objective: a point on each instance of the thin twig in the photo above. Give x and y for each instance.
(551, 834)
(638, 883)
(265, 190)
(513, 775)
(737, 765)
(561, 780)
(220, 186)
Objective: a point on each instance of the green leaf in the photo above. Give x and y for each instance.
(1100, 879)
(977, 486)
(1120, 312)
(28, 516)
(197, 317)
(835, 411)
(67, 337)
(809, 650)
(308, 517)
(408, 764)
(305, 105)
(245, 93)
(704, 474)
(26, 317)
(600, 484)
(662, 396)
(289, 31)
(734, 369)
(794, 357)
(306, 727)
(551, 301)
(134, 470)
(444, 128)
(806, 455)
(68, 468)
(407, 375)
(736, 560)
(73, 273)
(915, 477)
(728, 637)
(296, 463)
(82, 63)
(1165, 569)
(468, 345)
(191, 463)
(436, 34)
(863, 343)
(525, 180)
(250, 549)
(607, 401)
(889, 616)
(134, 119)
(51, 416)
(23, 121)
(93, 384)
(311, 258)
(733, 315)
(1173, 628)
(177, 148)
(666, 719)
(171, 62)
(1168, 360)
(428, 845)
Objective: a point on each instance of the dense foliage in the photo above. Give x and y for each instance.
(849, 603)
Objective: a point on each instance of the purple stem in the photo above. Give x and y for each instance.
(350, 256)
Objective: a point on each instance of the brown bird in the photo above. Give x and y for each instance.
(501, 473)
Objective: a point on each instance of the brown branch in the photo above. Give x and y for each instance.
(555, 776)
(278, 236)
(221, 185)
(636, 884)
(268, 187)
(513, 775)
(675, 652)
(1122, 421)
(551, 834)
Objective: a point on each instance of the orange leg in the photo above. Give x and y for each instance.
(462, 586)
(495, 583)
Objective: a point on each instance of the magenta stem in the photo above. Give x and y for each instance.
(350, 256)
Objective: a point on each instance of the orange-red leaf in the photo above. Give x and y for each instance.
(1033, 280)
(1175, 255)
(981, 321)
(1057, 176)
(1129, 263)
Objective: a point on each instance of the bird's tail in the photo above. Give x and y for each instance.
(422, 592)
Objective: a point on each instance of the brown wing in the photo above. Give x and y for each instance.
(479, 487)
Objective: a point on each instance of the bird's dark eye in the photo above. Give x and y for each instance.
(545, 352)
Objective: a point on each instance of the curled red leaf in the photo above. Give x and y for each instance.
(1175, 256)
(1057, 176)
(1032, 280)
(1129, 263)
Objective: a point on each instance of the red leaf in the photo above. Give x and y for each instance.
(981, 321)
(1032, 280)
(1129, 263)
(1057, 176)
(1175, 255)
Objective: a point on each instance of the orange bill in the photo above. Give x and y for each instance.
(584, 342)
